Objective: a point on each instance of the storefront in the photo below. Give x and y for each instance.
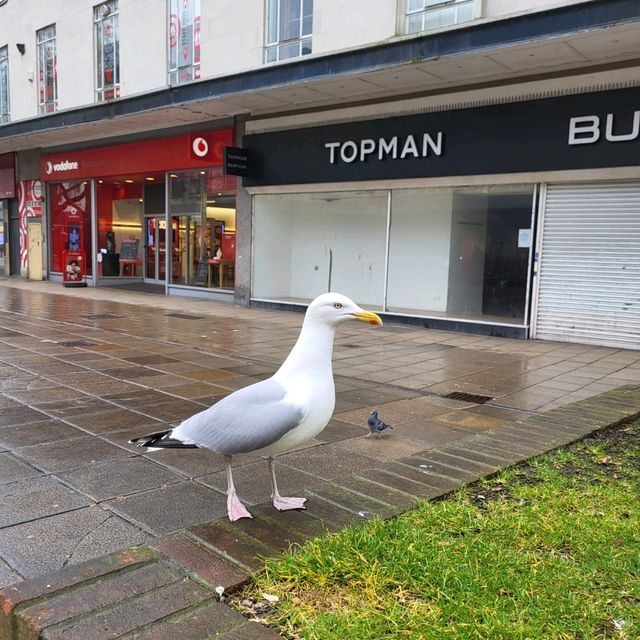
(7, 203)
(158, 211)
(483, 219)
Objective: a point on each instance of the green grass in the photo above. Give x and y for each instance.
(549, 550)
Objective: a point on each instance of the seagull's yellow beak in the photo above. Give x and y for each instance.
(368, 316)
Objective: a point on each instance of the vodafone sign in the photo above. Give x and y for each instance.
(174, 153)
(200, 147)
(65, 165)
(205, 146)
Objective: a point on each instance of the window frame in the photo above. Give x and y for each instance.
(5, 114)
(274, 39)
(177, 73)
(42, 40)
(431, 7)
(106, 90)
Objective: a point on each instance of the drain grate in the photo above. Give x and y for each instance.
(101, 316)
(184, 316)
(77, 343)
(467, 397)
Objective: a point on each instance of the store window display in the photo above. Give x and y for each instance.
(70, 222)
(120, 206)
(203, 226)
(457, 253)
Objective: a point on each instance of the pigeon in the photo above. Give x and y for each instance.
(275, 415)
(376, 426)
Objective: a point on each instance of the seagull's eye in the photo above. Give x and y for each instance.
(337, 305)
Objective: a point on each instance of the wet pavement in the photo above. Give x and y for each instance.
(83, 370)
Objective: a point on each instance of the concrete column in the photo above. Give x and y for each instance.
(244, 221)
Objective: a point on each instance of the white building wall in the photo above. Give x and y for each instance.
(74, 35)
(344, 24)
(231, 37)
(501, 8)
(143, 46)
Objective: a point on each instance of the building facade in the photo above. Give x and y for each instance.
(461, 164)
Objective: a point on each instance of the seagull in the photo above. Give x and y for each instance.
(275, 415)
(376, 426)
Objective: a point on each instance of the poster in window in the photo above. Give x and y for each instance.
(184, 38)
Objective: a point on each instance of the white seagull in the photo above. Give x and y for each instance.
(278, 414)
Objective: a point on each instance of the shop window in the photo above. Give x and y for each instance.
(107, 52)
(203, 229)
(433, 14)
(460, 253)
(2, 240)
(289, 29)
(47, 79)
(119, 215)
(307, 244)
(184, 41)
(4, 84)
(70, 223)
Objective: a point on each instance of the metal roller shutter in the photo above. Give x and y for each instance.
(589, 271)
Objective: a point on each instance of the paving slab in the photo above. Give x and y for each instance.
(67, 454)
(171, 508)
(12, 469)
(48, 544)
(36, 497)
(37, 433)
(118, 478)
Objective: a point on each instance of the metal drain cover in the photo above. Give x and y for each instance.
(77, 343)
(467, 397)
(101, 316)
(184, 316)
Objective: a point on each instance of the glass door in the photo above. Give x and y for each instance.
(155, 250)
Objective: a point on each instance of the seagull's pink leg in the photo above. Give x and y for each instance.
(280, 503)
(235, 508)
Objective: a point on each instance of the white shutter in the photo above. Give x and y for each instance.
(589, 271)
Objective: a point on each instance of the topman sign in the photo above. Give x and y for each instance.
(394, 147)
(582, 131)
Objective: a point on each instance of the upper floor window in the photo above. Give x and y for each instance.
(105, 17)
(4, 84)
(432, 14)
(47, 80)
(289, 29)
(184, 41)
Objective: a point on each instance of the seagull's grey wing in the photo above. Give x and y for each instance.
(248, 419)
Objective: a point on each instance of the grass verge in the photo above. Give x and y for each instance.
(546, 550)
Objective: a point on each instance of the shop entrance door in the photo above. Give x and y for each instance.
(155, 249)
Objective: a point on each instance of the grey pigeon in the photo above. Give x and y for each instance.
(376, 426)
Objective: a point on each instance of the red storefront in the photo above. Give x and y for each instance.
(156, 210)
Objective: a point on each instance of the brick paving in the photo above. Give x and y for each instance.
(95, 536)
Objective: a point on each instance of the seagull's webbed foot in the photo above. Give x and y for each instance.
(285, 504)
(280, 503)
(236, 509)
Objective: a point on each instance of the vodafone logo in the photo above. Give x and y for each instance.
(65, 165)
(200, 147)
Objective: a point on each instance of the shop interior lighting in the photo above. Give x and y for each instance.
(173, 175)
(129, 181)
(149, 179)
